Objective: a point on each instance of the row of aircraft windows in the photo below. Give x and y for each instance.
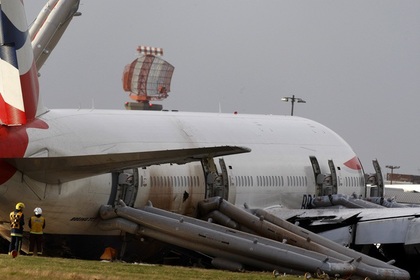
(174, 181)
(354, 181)
(245, 181)
(272, 181)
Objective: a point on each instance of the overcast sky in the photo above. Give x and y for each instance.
(356, 63)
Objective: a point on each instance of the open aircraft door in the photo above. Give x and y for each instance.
(217, 182)
(376, 181)
(125, 186)
(326, 184)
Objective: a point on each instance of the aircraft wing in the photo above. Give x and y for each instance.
(56, 170)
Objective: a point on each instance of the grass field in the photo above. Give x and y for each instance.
(25, 267)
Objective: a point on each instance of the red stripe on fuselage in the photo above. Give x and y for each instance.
(353, 163)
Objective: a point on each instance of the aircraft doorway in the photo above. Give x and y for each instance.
(326, 184)
(125, 186)
(217, 183)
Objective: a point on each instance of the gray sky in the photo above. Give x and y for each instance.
(356, 63)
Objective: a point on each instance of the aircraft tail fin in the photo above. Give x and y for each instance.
(19, 88)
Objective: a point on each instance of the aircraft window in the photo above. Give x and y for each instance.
(282, 180)
(172, 180)
(288, 182)
(300, 180)
(265, 180)
(306, 181)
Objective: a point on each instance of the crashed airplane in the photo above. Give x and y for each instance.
(235, 191)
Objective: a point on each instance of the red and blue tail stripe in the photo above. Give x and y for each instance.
(19, 89)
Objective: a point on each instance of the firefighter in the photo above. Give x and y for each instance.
(36, 232)
(17, 220)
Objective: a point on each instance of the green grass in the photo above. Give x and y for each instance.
(25, 267)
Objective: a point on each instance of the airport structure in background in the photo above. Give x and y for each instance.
(403, 178)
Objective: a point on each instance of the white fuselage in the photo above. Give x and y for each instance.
(277, 171)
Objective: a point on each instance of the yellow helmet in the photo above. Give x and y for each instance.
(20, 206)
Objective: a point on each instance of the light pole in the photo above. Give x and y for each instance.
(392, 167)
(293, 99)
